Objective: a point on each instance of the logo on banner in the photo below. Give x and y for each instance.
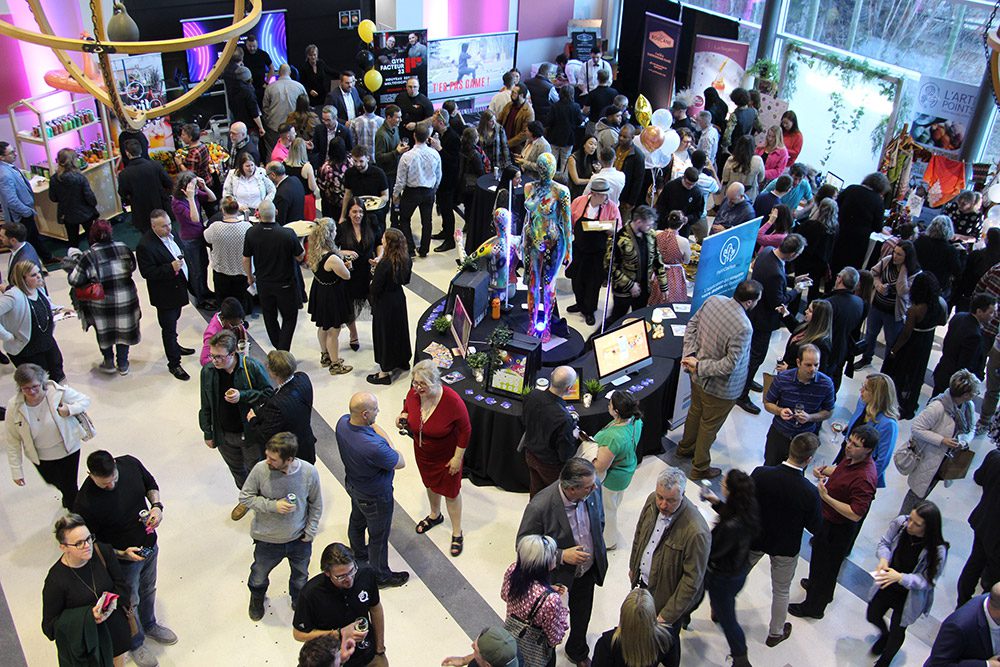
(730, 250)
(661, 39)
(929, 95)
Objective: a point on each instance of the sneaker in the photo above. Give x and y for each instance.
(774, 640)
(394, 579)
(256, 608)
(340, 368)
(123, 368)
(160, 634)
(107, 366)
(239, 512)
(143, 657)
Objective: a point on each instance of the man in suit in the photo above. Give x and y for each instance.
(964, 345)
(162, 264)
(789, 504)
(542, 92)
(13, 237)
(448, 145)
(289, 408)
(289, 195)
(144, 185)
(550, 433)
(17, 199)
(345, 98)
(848, 311)
(670, 554)
(715, 355)
(324, 133)
(970, 636)
(570, 512)
(769, 271)
(983, 566)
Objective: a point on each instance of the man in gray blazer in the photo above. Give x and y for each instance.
(570, 512)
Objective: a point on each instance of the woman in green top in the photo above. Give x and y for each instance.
(616, 458)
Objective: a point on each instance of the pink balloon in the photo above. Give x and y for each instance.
(651, 138)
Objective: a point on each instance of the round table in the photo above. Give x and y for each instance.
(479, 220)
(492, 457)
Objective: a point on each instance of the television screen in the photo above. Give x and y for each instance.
(469, 66)
(270, 32)
(461, 326)
(623, 349)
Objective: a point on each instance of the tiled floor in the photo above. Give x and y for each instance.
(205, 557)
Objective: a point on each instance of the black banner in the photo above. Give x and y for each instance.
(400, 55)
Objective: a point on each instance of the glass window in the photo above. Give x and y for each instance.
(742, 10)
(991, 151)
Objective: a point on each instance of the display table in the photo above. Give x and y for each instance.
(492, 457)
(479, 220)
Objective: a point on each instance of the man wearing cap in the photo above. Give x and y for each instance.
(495, 647)
(590, 247)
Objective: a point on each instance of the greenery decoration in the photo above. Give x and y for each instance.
(764, 68)
(442, 324)
(499, 337)
(477, 360)
(592, 386)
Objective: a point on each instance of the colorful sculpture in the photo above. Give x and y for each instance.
(498, 252)
(547, 242)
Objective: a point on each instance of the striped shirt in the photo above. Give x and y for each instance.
(419, 167)
(788, 391)
(363, 128)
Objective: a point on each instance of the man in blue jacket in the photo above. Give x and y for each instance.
(16, 198)
(970, 636)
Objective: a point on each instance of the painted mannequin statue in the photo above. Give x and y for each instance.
(500, 255)
(547, 242)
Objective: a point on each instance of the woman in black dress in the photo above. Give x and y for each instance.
(330, 304)
(390, 325)
(74, 586)
(910, 354)
(75, 199)
(357, 234)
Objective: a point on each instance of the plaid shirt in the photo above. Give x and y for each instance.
(990, 284)
(419, 167)
(719, 337)
(363, 128)
(197, 160)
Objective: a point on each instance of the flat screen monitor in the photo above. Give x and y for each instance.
(461, 326)
(270, 32)
(621, 351)
(834, 180)
(469, 66)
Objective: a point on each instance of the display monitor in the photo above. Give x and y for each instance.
(469, 66)
(270, 32)
(621, 351)
(461, 326)
(834, 180)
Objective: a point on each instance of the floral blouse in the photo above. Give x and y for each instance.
(331, 180)
(552, 615)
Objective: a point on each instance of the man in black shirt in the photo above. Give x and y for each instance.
(275, 250)
(550, 433)
(260, 65)
(414, 105)
(113, 501)
(600, 98)
(365, 179)
(448, 145)
(333, 602)
(681, 194)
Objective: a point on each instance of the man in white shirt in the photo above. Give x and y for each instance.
(588, 75)
(615, 178)
(417, 179)
(709, 141)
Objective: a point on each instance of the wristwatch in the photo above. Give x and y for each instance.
(158, 505)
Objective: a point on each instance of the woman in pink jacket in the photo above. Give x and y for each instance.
(230, 316)
(774, 153)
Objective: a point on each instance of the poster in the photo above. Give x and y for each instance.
(467, 66)
(398, 56)
(942, 113)
(718, 63)
(724, 262)
(659, 58)
(140, 82)
(583, 42)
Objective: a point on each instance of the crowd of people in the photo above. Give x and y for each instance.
(314, 149)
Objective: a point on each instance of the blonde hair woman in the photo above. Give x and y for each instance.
(330, 304)
(774, 153)
(26, 322)
(877, 406)
(639, 640)
(297, 165)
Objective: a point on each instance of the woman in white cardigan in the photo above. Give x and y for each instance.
(26, 322)
(248, 184)
(42, 426)
(944, 426)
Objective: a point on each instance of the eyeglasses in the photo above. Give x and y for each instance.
(82, 544)
(348, 575)
(220, 357)
(31, 388)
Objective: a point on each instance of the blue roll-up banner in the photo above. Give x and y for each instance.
(659, 60)
(724, 262)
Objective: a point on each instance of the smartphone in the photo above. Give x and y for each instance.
(145, 552)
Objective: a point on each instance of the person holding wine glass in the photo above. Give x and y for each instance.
(800, 399)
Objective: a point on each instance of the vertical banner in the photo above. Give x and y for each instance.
(718, 63)
(724, 262)
(659, 58)
(140, 81)
(942, 114)
(400, 55)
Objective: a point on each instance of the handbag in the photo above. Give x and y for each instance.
(87, 424)
(91, 292)
(133, 625)
(531, 640)
(906, 459)
(956, 464)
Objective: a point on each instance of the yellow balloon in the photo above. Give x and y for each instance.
(373, 80)
(366, 30)
(643, 111)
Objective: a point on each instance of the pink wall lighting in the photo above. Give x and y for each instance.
(472, 17)
(537, 19)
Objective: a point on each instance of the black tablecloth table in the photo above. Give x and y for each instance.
(479, 221)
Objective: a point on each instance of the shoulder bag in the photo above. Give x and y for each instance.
(906, 458)
(956, 464)
(531, 640)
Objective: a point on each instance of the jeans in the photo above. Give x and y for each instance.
(410, 201)
(561, 154)
(276, 299)
(121, 351)
(62, 474)
(877, 320)
(266, 557)
(722, 590)
(776, 446)
(782, 573)
(239, 454)
(196, 259)
(373, 514)
(141, 579)
(885, 600)
(167, 317)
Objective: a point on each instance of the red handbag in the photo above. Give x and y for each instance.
(92, 292)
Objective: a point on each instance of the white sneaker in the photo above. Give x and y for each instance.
(143, 657)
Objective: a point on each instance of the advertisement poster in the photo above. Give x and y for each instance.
(398, 56)
(718, 63)
(725, 262)
(468, 66)
(659, 59)
(941, 114)
(140, 82)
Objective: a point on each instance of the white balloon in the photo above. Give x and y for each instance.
(994, 193)
(994, 214)
(658, 159)
(662, 119)
(671, 141)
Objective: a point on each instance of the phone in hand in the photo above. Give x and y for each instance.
(145, 552)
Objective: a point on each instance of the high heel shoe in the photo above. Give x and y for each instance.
(355, 345)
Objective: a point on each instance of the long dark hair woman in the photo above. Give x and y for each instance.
(358, 234)
(911, 557)
(715, 105)
(728, 562)
(493, 140)
(533, 601)
(75, 199)
(892, 276)
(472, 163)
(581, 165)
(743, 166)
(331, 177)
(390, 325)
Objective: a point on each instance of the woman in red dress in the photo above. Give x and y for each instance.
(675, 251)
(439, 422)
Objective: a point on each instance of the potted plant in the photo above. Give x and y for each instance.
(442, 324)
(591, 387)
(477, 362)
(766, 72)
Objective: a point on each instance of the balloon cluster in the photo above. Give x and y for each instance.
(657, 141)
(366, 58)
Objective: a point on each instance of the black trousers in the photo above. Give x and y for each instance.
(62, 474)
(73, 232)
(167, 317)
(624, 305)
(888, 599)
(759, 342)
(588, 276)
(234, 286)
(410, 201)
(983, 567)
(831, 545)
(35, 239)
(51, 360)
(446, 209)
(581, 604)
(775, 446)
(283, 300)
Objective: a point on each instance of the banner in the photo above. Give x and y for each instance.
(400, 55)
(942, 114)
(659, 58)
(724, 262)
(718, 63)
(468, 66)
(140, 82)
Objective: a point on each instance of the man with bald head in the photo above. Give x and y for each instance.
(735, 209)
(240, 142)
(550, 433)
(370, 463)
(279, 101)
